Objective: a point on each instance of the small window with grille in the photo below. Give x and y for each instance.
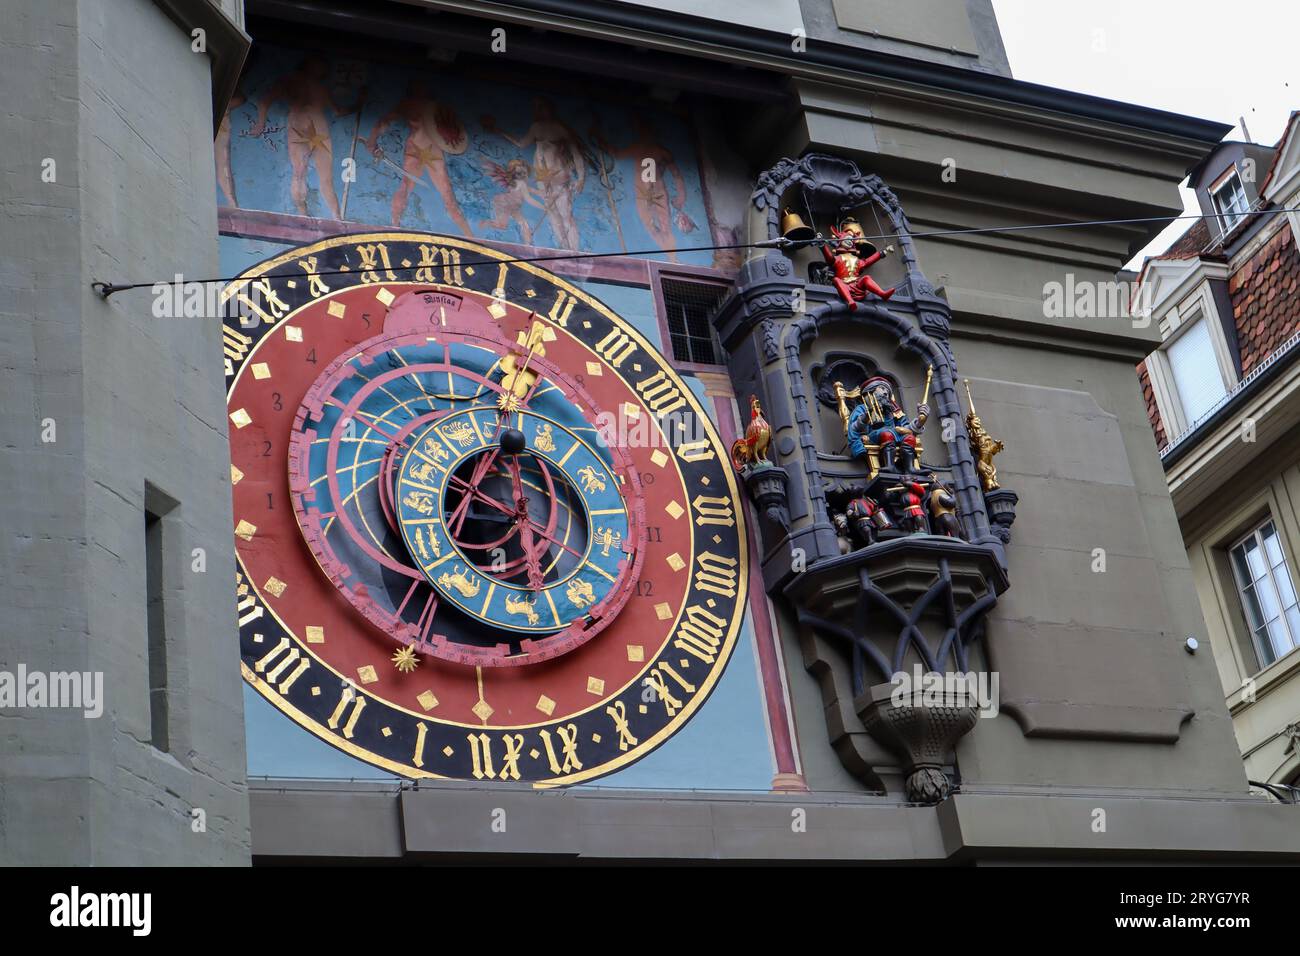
(689, 307)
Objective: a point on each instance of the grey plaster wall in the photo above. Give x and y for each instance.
(1097, 689)
(114, 95)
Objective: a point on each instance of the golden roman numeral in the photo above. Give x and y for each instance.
(713, 511)
(285, 660)
(615, 347)
(700, 450)
(568, 735)
(656, 680)
(660, 394)
(348, 696)
(235, 344)
(716, 574)
(480, 755)
(560, 310)
(700, 633)
(371, 256)
(420, 732)
(315, 285)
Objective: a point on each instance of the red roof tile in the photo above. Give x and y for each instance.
(1153, 413)
(1263, 303)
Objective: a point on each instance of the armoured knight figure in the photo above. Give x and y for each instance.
(943, 508)
(850, 254)
(880, 420)
(910, 496)
(867, 519)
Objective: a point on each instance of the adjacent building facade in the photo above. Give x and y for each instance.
(513, 273)
(1221, 395)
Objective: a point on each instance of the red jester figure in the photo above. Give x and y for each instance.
(850, 254)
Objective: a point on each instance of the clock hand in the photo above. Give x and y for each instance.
(457, 520)
(537, 530)
(535, 579)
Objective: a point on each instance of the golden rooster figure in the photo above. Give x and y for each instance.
(752, 449)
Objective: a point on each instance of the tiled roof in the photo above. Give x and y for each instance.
(1265, 307)
(1153, 413)
(1262, 291)
(1190, 243)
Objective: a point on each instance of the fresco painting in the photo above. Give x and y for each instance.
(438, 151)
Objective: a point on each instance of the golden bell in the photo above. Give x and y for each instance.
(794, 228)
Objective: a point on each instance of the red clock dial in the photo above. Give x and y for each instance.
(484, 531)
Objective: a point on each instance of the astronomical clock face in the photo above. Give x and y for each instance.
(483, 530)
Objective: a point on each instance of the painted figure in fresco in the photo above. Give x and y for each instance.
(849, 255)
(221, 147)
(508, 205)
(308, 97)
(434, 132)
(657, 206)
(879, 420)
(559, 167)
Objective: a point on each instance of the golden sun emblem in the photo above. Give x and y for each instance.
(405, 660)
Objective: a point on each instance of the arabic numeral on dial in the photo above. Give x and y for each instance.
(645, 588)
(311, 356)
(654, 534)
(269, 505)
(266, 451)
(277, 402)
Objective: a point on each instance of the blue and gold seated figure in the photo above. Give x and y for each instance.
(878, 430)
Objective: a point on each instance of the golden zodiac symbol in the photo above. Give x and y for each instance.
(522, 606)
(463, 583)
(580, 593)
(459, 432)
(590, 480)
(605, 539)
(434, 450)
(545, 441)
(420, 501)
(422, 472)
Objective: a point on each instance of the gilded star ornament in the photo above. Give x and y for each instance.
(405, 660)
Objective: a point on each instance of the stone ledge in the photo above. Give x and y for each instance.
(319, 820)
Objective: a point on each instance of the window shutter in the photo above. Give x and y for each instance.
(1196, 371)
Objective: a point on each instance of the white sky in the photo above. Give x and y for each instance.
(1215, 60)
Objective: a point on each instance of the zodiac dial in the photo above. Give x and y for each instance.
(483, 530)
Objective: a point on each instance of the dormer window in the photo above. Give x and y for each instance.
(1229, 198)
(1197, 377)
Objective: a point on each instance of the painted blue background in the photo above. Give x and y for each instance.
(261, 168)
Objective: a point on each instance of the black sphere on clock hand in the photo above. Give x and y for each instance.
(513, 441)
